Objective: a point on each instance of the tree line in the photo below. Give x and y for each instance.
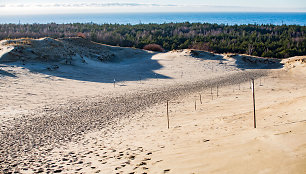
(258, 40)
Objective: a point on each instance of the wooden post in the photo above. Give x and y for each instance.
(195, 105)
(200, 98)
(168, 113)
(114, 82)
(239, 86)
(211, 90)
(253, 90)
(217, 90)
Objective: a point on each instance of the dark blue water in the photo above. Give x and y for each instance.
(136, 18)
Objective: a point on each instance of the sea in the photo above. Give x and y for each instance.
(159, 18)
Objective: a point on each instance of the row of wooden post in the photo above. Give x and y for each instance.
(252, 85)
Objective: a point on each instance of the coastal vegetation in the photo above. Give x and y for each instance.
(278, 41)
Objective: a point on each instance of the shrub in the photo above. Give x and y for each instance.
(81, 35)
(154, 47)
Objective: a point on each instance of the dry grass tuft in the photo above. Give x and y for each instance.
(21, 41)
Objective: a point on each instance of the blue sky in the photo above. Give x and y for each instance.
(115, 6)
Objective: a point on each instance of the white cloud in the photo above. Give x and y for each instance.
(89, 5)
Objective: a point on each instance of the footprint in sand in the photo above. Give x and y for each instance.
(147, 159)
(132, 157)
(78, 169)
(142, 164)
(65, 159)
(158, 161)
(166, 170)
(80, 162)
(58, 171)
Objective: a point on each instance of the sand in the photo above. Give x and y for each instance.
(73, 119)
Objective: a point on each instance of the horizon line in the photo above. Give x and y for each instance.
(154, 12)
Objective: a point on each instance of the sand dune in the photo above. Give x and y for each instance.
(65, 50)
(63, 113)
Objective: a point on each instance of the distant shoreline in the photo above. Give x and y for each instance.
(227, 18)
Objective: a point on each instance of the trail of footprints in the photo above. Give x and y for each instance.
(94, 160)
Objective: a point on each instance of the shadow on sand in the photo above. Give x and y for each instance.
(5, 73)
(130, 69)
(206, 55)
(243, 62)
(249, 62)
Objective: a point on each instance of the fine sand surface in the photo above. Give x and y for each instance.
(75, 119)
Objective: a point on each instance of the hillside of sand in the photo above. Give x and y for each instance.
(60, 114)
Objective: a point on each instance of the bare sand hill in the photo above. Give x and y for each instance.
(66, 115)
